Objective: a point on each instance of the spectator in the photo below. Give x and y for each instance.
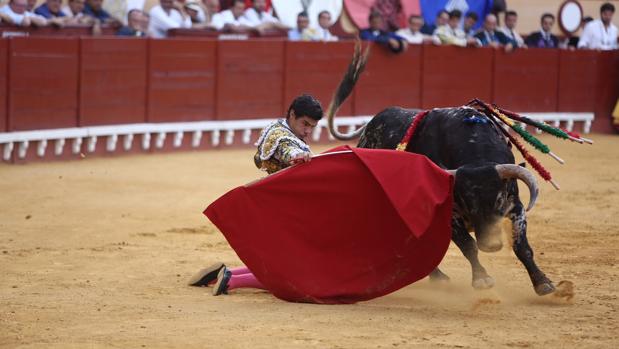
(322, 33)
(450, 34)
(260, 19)
(212, 7)
(232, 19)
(75, 13)
(441, 19)
(413, 34)
(391, 13)
(600, 34)
(511, 19)
(50, 9)
(489, 36)
(389, 39)
(296, 34)
(16, 13)
(470, 20)
(137, 24)
(94, 8)
(167, 15)
(544, 38)
(571, 42)
(31, 4)
(195, 13)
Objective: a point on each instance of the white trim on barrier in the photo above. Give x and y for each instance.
(230, 129)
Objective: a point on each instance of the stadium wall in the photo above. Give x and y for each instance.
(67, 82)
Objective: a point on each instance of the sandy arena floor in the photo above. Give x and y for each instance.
(96, 253)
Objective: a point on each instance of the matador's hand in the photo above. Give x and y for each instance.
(300, 158)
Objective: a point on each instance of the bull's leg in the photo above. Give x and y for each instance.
(523, 251)
(438, 275)
(468, 246)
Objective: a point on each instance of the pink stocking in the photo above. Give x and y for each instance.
(240, 270)
(244, 280)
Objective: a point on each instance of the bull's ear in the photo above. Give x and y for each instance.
(523, 164)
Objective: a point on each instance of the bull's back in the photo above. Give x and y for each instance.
(450, 137)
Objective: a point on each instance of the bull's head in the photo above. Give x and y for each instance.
(485, 194)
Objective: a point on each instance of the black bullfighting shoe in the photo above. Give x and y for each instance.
(206, 276)
(221, 286)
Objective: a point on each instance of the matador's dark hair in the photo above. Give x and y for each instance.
(306, 105)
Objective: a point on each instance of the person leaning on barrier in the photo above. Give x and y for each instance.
(137, 24)
(297, 34)
(511, 19)
(393, 42)
(261, 20)
(451, 34)
(74, 11)
(321, 33)
(413, 34)
(232, 19)
(600, 34)
(544, 38)
(489, 36)
(442, 17)
(470, 20)
(16, 13)
(165, 16)
(94, 8)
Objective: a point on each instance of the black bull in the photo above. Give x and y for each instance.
(485, 189)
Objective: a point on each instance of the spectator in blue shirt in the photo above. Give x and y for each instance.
(389, 39)
(50, 9)
(94, 8)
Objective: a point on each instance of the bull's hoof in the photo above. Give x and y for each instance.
(483, 283)
(544, 288)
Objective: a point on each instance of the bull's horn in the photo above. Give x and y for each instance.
(452, 172)
(508, 171)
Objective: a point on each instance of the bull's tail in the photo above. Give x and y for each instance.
(355, 68)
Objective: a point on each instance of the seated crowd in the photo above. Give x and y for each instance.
(450, 28)
(245, 16)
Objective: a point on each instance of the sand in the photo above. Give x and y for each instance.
(96, 253)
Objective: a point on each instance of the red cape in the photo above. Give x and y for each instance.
(342, 228)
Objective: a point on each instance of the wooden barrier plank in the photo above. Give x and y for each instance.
(316, 68)
(4, 73)
(181, 80)
(527, 80)
(390, 80)
(577, 80)
(606, 91)
(250, 79)
(43, 79)
(453, 75)
(113, 81)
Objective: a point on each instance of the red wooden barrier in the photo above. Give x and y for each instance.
(4, 73)
(316, 68)
(43, 79)
(527, 80)
(454, 75)
(181, 80)
(250, 79)
(607, 90)
(113, 81)
(577, 80)
(389, 80)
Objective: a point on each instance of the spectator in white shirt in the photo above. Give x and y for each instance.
(600, 34)
(260, 19)
(167, 15)
(298, 33)
(16, 13)
(413, 34)
(322, 33)
(511, 19)
(232, 20)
